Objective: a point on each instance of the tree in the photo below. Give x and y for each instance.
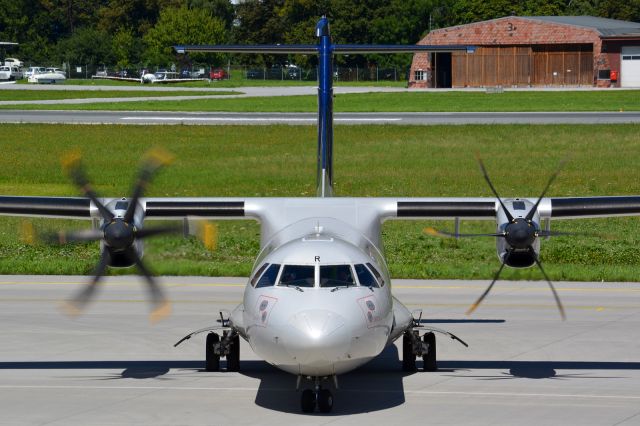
(182, 26)
(222, 9)
(85, 46)
(125, 48)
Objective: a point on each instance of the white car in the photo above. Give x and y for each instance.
(34, 70)
(50, 76)
(10, 73)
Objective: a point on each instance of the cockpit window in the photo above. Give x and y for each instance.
(365, 276)
(258, 273)
(268, 279)
(336, 276)
(377, 274)
(298, 276)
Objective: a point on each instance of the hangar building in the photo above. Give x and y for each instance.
(526, 51)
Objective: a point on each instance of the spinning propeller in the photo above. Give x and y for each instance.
(519, 233)
(118, 233)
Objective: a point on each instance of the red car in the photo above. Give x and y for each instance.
(217, 74)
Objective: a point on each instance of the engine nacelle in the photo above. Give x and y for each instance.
(521, 247)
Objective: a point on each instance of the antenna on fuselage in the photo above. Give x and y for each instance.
(325, 50)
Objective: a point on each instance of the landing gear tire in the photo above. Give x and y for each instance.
(429, 359)
(408, 357)
(308, 401)
(212, 360)
(233, 358)
(325, 401)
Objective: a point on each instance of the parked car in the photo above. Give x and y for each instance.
(293, 72)
(33, 70)
(10, 73)
(217, 74)
(255, 74)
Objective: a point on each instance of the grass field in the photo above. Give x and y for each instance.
(370, 161)
(610, 100)
(32, 95)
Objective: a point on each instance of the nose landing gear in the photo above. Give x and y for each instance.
(317, 397)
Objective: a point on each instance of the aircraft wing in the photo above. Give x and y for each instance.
(155, 208)
(549, 208)
(256, 208)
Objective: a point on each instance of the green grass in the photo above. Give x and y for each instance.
(33, 95)
(610, 100)
(370, 161)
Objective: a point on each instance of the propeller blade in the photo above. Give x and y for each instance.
(544, 191)
(486, 177)
(153, 161)
(553, 289)
(437, 233)
(74, 306)
(161, 306)
(208, 234)
(486, 292)
(72, 165)
(158, 230)
(63, 237)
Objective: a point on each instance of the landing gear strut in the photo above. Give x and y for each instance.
(317, 397)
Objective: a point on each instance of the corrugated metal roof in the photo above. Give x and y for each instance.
(606, 27)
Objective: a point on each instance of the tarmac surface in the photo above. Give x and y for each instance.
(310, 119)
(524, 365)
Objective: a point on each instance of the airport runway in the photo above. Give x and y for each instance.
(406, 118)
(524, 365)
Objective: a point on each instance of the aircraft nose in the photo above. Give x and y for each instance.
(321, 337)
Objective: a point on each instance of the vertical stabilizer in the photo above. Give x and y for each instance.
(325, 109)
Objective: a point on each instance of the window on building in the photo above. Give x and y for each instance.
(420, 75)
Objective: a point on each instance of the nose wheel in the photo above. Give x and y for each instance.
(322, 398)
(319, 397)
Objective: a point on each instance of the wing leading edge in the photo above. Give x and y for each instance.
(388, 208)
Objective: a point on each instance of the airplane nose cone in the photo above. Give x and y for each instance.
(321, 337)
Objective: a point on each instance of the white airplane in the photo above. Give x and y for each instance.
(319, 301)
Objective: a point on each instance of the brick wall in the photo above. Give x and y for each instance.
(511, 30)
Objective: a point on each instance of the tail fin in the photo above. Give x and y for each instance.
(325, 50)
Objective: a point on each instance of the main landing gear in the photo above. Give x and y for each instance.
(317, 397)
(228, 346)
(413, 346)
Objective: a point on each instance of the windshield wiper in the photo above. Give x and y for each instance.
(297, 287)
(338, 287)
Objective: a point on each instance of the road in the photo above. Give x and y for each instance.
(524, 365)
(406, 118)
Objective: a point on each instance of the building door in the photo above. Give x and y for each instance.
(630, 66)
(442, 69)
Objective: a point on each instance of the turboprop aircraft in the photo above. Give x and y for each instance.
(319, 301)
